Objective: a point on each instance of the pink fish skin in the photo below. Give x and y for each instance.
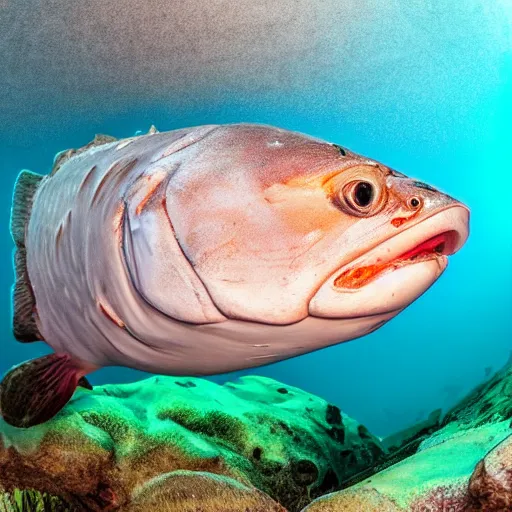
(221, 247)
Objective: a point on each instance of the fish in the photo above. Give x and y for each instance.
(209, 249)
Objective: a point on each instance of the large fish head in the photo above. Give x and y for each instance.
(279, 226)
(404, 230)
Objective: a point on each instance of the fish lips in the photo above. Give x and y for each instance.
(396, 272)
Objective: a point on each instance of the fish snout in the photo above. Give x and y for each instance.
(457, 214)
(420, 201)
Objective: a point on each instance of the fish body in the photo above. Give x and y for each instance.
(216, 248)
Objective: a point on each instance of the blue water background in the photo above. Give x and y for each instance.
(425, 87)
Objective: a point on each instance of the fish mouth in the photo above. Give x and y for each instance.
(396, 271)
(434, 248)
(433, 239)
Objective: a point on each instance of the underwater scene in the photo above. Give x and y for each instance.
(256, 256)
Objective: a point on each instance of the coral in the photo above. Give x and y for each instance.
(112, 441)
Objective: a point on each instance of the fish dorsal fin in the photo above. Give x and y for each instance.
(24, 190)
(63, 156)
(24, 323)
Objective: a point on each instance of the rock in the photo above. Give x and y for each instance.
(462, 463)
(489, 402)
(112, 440)
(491, 482)
(434, 479)
(416, 433)
(180, 444)
(367, 500)
(401, 445)
(182, 491)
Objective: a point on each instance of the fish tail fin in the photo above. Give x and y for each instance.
(23, 303)
(35, 391)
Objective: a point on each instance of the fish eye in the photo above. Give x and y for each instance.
(359, 191)
(360, 198)
(363, 194)
(414, 203)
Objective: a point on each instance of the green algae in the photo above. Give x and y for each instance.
(118, 428)
(32, 501)
(214, 424)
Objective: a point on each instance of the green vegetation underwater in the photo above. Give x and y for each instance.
(257, 256)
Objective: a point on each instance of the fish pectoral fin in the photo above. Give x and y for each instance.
(84, 383)
(35, 391)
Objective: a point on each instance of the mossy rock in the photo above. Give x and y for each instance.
(436, 478)
(490, 486)
(488, 403)
(113, 439)
(189, 491)
(365, 500)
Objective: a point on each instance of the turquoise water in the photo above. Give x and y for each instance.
(425, 87)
